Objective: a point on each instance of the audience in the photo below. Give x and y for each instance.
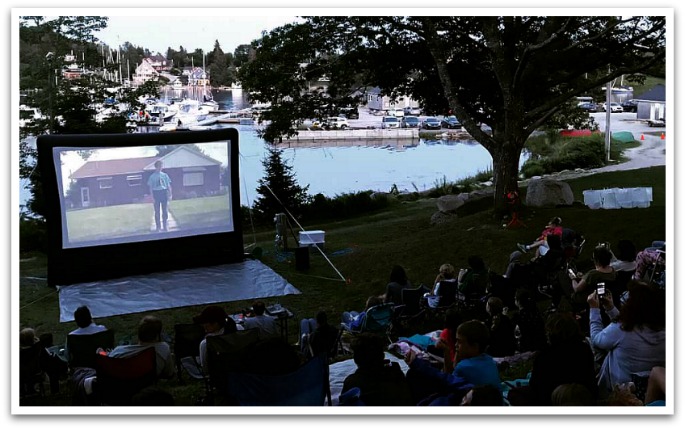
(553, 227)
(353, 321)
(215, 321)
(624, 258)
(85, 323)
(444, 289)
(317, 336)
(398, 282)
(473, 368)
(502, 339)
(530, 323)
(572, 394)
(656, 387)
(473, 281)
(483, 396)
(150, 335)
(636, 341)
(381, 382)
(447, 341)
(566, 359)
(267, 325)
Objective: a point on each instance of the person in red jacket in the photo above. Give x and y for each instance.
(553, 227)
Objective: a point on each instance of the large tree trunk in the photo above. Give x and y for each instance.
(505, 169)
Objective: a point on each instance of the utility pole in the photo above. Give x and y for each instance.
(49, 57)
(607, 132)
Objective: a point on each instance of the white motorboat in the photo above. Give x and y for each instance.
(189, 112)
(161, 112)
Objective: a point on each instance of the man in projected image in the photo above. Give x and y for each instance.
(160, 188)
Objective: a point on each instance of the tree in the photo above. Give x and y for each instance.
(278, 190)
(67, 104)
(510, 73)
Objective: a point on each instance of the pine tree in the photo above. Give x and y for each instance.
(279, 179)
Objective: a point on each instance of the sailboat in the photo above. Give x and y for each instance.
(207, 98)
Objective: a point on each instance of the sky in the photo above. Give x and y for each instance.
(173, 28)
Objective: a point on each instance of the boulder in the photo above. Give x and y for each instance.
(450, 203)
(440, 218)
(548, 193)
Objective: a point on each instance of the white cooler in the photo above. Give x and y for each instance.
(310, 238)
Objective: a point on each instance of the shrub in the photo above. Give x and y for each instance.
(33, 235)
(565, 154)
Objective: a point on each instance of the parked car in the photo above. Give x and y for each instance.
(390, 122)
(336, 123)
(629, 106)
(615, 107)
(410, 122)
(431, 123)
(657, 122)
(413, 111)
(398, 113)
(588, 107)
(450, 122)
(349, 112)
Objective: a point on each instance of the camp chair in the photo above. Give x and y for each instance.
(187, 339)
(30, 371)
(119, 379)
(377, 320)
(81, 348)
(411, 309)
(226, 353)
(307, 386)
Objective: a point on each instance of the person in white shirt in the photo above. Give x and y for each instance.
(267, 325)
(85, 323)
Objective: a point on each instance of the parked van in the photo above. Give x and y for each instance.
(390, 122)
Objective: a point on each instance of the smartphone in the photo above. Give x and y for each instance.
(571, 273)
(601, 290)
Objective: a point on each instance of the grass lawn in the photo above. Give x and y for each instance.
(119, 221)
(200, 212)
(365, 248)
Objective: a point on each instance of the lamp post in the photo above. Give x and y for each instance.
(49, 57)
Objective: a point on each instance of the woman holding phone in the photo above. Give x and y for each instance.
(636, 341)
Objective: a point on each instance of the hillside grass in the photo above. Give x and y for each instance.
(365, 248)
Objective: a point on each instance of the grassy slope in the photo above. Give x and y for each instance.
(364, 250)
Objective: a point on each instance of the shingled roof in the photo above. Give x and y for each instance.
(113, 167)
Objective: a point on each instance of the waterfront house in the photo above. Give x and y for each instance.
(159, 63)
(377, 102)
(144, 72)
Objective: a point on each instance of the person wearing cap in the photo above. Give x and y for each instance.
(553, 227)
(215, 321)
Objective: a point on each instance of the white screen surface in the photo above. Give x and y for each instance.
(107, 195)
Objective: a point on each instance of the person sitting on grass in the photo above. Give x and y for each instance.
(381, 382)
(473, 368)
(502, 340)
(553, 227)
(317, 336)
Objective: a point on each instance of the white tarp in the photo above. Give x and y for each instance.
(249, 279)
(618, 198)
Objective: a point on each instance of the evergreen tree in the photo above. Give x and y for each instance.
(279, 179)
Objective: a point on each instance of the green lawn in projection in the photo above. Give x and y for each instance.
(101, 223)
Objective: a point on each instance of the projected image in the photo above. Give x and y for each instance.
(129, 194)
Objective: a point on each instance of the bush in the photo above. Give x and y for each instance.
(33, 234)
(565, 154)
(344, 205)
